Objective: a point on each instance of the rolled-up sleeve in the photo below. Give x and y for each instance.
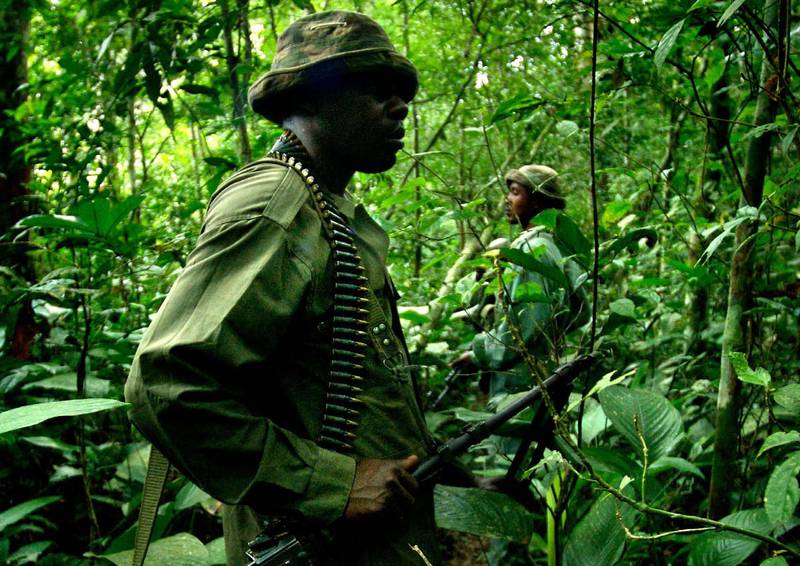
(227, 313)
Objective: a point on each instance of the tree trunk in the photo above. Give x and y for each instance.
(14, 171)
(232, 60)
(740, 292)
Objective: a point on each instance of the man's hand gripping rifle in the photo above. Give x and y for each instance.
(278, 546)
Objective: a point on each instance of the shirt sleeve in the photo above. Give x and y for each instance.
(226, 314)
(534, 302)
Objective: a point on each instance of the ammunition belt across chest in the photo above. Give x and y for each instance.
(349, 324)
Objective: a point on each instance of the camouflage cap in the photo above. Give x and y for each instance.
(537, 179)
(327, 45)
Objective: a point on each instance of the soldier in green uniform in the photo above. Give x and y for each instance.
(544, 311)
(275, 375)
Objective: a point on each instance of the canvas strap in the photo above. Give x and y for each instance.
(154, 480)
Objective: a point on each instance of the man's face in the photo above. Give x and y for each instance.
(521, 206)
(361, 122)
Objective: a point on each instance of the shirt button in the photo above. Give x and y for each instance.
(376, 329)
(386, 342)
(382, 326)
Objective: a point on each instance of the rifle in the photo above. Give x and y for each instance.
(278, 545)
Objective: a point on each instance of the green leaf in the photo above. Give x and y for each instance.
(778, 439)
(673, 463)
(658, 421)
(787, 140)
(759, 376)
(666, 43)
(570, 238)
(630, 240)
(29, 552)
(567, 128)
(201, 89)
(725, 548)
(788, 397)
(521, 104)
(95, 387)
(189, 496)
(623, 307)
(216, 552)
(60, 221)
(29, 415)
(729, 11)
(783, 492)
(51, 443)
(759, 131)
(482, 513)
(701, 4)
(19, 512)
(220, 162)
(615, 211)
(181, 549)
(527, 261)
(598, 539)
(775, 561)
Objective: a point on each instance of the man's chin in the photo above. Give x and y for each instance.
(378, 165)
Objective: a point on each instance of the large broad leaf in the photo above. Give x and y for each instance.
(673, 463)
(788, 397)
(178, 550)
(18, 512)
(29, 415)
(520, 104)
(95, 387)
(725, 548)
(482, 513)
(659, 423)
(216, 552)
(598, 538)
(529, 262)
(783, 493)
(758, 376)
(779, 439)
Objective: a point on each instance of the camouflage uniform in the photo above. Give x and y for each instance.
(230, 379)
(543, 319)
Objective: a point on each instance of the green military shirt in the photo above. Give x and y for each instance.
(543, 310)
(229, 380)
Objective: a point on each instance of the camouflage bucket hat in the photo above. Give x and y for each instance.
(537, 179)
(327, 45)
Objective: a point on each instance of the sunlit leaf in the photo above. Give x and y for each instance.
(666, 43)
(19, 512)
(759, 376)
(29, 415)
(673, 463)
(658, 421)
(779, 439)
(725, 548)
(599, 539)
(729, 11)
(783, 492)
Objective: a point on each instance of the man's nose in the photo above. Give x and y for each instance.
(397, 108)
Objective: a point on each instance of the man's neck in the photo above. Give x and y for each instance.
(327, 169)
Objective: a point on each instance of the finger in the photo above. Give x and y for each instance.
(401, 499)
(407, 481)
(410, 463)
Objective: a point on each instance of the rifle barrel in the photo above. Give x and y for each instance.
(480, 431)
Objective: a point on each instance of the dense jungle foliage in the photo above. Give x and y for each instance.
(674, 127)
